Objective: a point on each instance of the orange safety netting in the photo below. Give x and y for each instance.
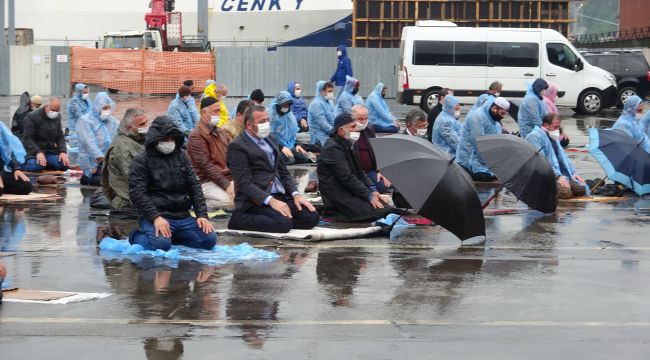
(140, 71)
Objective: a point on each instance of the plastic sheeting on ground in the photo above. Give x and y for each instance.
(312, 235)
(57, 298)
(218, 255)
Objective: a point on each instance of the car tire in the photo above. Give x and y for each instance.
(429, 100)
(590, 102)
(625, 93)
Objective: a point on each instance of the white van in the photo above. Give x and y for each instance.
(438, 54)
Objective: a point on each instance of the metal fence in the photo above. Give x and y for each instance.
(614, 36)
(245, 69)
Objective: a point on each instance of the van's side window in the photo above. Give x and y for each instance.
(433, 53)
(513, 54)
(470, 53)
(561, 55)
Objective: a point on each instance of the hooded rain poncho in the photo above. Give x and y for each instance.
(299, 107)
(550, 97)
(532, 109)
(477, 123)
(627, 122)
(12, 151)
(78, 107)
(378, 111)
(95, 134)
(184, 114)
(283, 127)
(347, 99)
(320, 117)
(343, 69)
(446, 130)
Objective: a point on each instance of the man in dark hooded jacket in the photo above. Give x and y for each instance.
(349, 195)
(163, 187)
(343, 69)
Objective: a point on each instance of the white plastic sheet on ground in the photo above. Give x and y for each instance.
(218, 255)
(73, 298)
(315, 234)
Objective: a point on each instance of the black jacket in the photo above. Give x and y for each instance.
(344, 186)
(252, 172)
(165, 185)
(433, 114)
(42, 134)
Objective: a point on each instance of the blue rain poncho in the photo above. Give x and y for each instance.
(95, 134)
(446, 129)
(645, 124)
(283, 127)
(347, 99)
(532, 109)
(320, 117)
(344, 67)
(477, 123)
(184, 114)
(378, 111)
(299, 107)
(78, 107)
(12, 148)
(627, 122)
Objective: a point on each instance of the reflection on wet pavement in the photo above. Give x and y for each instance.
(573, 281)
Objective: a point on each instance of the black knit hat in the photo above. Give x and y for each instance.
(207, 101)
(342, 120)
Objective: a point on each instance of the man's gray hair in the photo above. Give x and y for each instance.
(248, 115)
(356, 109)
(414, 115)
(495, 85)
(131, 114)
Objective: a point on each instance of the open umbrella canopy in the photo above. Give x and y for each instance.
(521, 169)
(431, 182)
(622, 158)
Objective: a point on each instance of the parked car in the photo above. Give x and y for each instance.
(630, 68)
(439, 54)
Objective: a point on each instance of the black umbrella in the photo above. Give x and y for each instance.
(521, 169)
(622, 158)
(431, 182)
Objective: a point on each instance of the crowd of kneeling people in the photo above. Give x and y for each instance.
(203, 158)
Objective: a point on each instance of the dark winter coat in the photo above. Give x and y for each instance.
(165, 185)
(344, 186)
(42, 134)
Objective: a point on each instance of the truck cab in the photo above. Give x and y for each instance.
(134, 40)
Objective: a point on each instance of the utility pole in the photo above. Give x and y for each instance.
(12, 23)
(202, 18)
(3, 40)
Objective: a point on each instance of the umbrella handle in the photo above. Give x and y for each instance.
(600, 183)
(489, 200)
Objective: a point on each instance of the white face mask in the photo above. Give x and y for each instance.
(329, 96)
(457, 114)
(166, 147)
(105, 114)
(263, 130)
(84, 96)
(298, 92)
(215, 120)
(52, 114)
(339, 53)
(497, 94)
(354, 136)
(361, 126)
(143, 130)
(284, 110)
(639, 116)
(555, 135)
(422, 132)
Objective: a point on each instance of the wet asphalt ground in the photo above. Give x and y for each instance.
(570, 285)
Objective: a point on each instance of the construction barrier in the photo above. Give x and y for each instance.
(140, 71)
